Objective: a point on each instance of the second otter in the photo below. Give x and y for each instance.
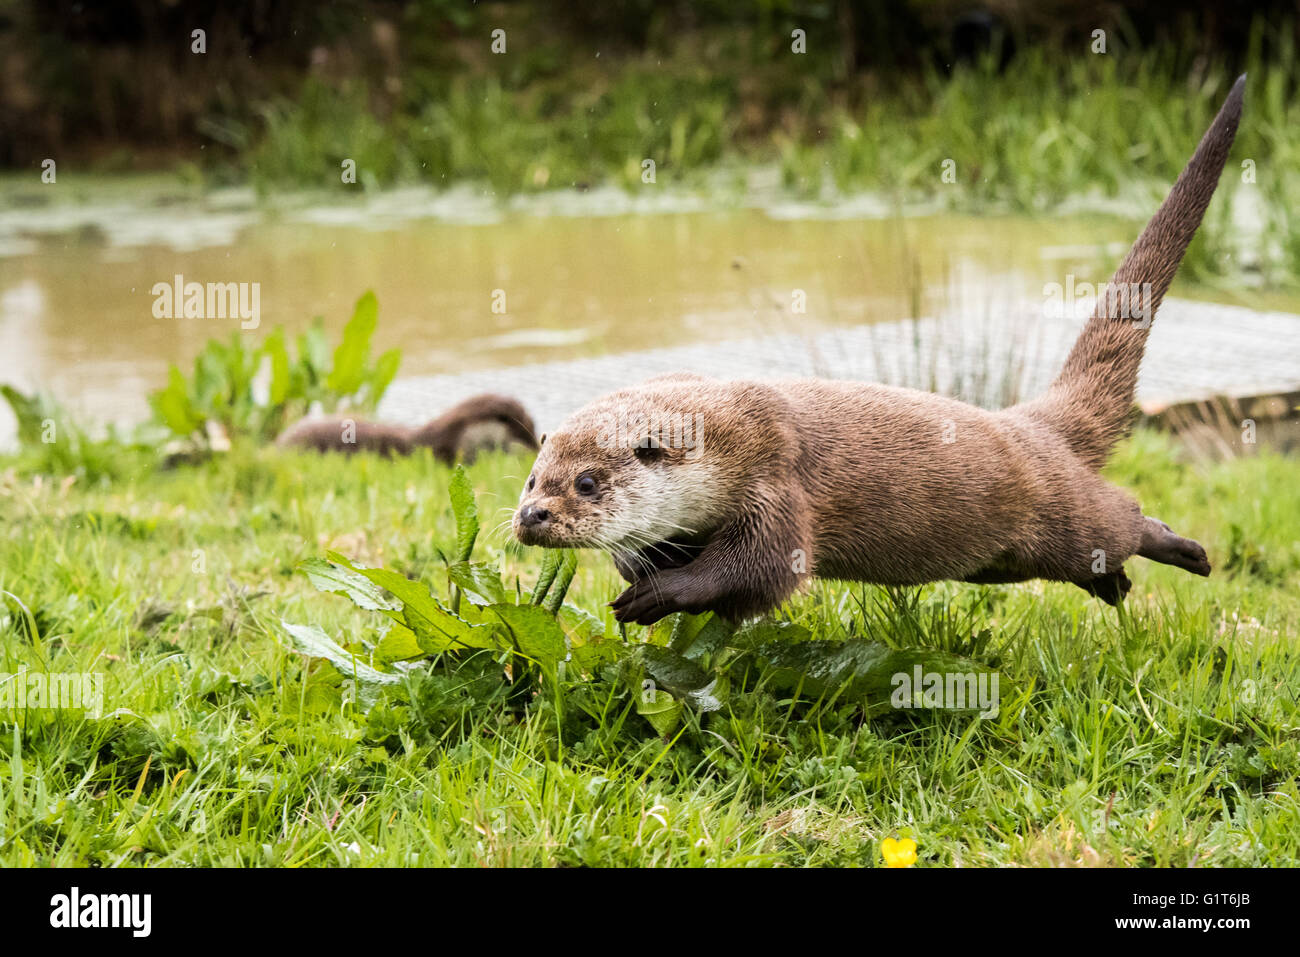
(467, 428)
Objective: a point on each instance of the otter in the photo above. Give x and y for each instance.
(724, 496)
(464, 430)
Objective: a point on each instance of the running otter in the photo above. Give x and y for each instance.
(724, 496)
(482, 422)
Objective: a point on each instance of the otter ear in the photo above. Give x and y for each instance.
(648, 451)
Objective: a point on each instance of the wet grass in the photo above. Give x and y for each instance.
(1165, 735)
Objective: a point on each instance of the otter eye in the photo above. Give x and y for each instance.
(585, 484)
(532, 480)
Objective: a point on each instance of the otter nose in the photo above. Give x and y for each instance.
(531, 515)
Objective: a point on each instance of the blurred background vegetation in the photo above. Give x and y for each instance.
(1015, 93)
(411, 91)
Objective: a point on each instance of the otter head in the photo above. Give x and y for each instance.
(493, 422)
(621, 474)
(482, 422)
(512, 416)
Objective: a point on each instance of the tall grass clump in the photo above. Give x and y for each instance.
(1051, 131)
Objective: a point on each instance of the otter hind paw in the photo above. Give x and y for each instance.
(1110, 588)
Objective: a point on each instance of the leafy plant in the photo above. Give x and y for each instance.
(52, 441)
(256, 391)
(543, 642)
(536, 635)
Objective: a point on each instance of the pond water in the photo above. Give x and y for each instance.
(465, 283)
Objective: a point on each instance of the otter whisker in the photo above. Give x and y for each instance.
(677, 527)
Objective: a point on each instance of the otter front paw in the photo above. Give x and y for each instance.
(655, 596)
(642, 602)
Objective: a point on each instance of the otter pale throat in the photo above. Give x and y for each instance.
(467, 428)
(724, 496)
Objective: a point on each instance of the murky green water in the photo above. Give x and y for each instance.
(77, 311)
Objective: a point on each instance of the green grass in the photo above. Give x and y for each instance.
(1165, 735)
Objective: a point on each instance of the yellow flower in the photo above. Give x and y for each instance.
(898, 853)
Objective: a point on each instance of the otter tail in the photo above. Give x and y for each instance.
(1090, 401)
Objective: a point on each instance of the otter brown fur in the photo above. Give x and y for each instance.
(870, 483)
(480, 422)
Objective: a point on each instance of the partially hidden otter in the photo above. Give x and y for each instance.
(478, 423)
(725, 495)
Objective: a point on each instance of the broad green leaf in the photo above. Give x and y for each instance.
(436, 629)
(533, 632)
(274, 349)
(679, 631)
(28, 411)
(825, 666)
(681, 677)
(858, 668)
(676, 631)
(764, 631)
(586, 633)
(348, 370)
(314, 643)
(465, 509)
(953, 669)
(384, 372)
(334, 578)
(662, 710)
(314, 351)
(713, 636)
(591, 657)
(173, 405)
(398, 644)
(580, 625)
(212, 377)
(481, 584)
(322, 690)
